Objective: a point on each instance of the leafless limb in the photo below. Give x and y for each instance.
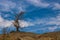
(16, 21)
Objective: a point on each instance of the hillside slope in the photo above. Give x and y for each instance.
(30, 36)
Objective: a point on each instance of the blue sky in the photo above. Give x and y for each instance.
(40, 16)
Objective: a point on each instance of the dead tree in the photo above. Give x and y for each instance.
(16, 21)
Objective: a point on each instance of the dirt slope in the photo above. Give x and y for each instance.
(30, 36)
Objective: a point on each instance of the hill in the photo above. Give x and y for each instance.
(30, 36)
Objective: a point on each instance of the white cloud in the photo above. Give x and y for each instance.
(1, 19)
(5, 23)
(55, 20)
(7, 5)
(56, 6)
(25, 23)
(8, 23)
(52, 28)
(50, 21)
(38, 3)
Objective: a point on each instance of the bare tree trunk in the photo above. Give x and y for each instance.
(17, 28)
(16, 22)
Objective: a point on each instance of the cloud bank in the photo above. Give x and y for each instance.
(45, 4)
(5, 23)
(38, 3)
(23, 5)
(8, 6)
(50, 21)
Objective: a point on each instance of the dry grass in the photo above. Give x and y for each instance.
(30, 36)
